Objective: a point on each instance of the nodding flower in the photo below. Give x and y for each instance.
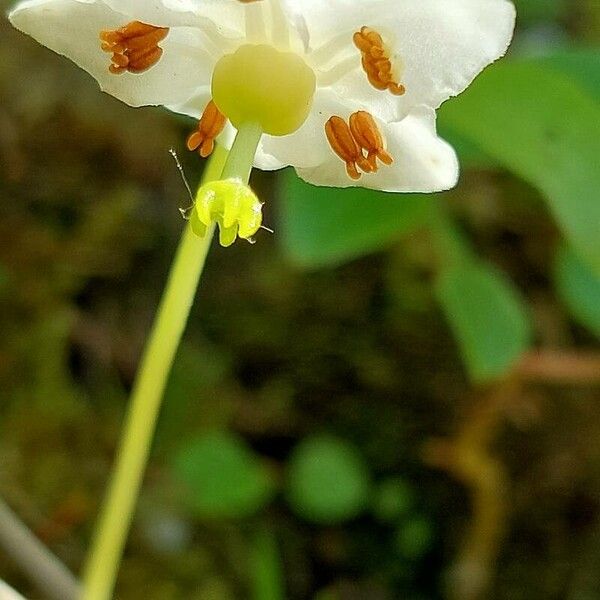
(345, 91)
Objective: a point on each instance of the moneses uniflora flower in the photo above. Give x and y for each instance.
(345, 91)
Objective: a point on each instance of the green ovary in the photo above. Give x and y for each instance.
(263, 85)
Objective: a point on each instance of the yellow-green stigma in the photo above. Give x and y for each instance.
(232, 205)
(261, 84)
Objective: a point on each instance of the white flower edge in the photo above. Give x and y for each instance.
(7, 593)
(72, 27)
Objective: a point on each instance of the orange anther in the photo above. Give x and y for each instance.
(211, 124)
(376, 61)
(345, 146)
(134, 47)
(367, 135)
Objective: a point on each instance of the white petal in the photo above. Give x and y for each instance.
(166, 13)
(442, 44)
(423, 162)
(225, 15)
(194, 106)
(308, 146)
(72, 27)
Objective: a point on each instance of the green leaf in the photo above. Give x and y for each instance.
(581, 65)
(328, 226)
(413, 539)
(191, 395)
(487, 316)
(469, 154)
(393, 498)
(223, 478)
(543, 126)
(579, 287)
(328, 481)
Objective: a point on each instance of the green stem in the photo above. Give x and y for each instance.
(107, 549)
(241, 157)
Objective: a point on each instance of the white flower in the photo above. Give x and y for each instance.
(345, 90)
(7, 593)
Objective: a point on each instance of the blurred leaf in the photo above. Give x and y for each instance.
(328, 481)
(487, 316)
(192, 395)
(267, 571)
(470, 154)
(393, 499)
(582, 65)
(4, 278)
(540, 10)
(543, 126)
(327, 226)
(414, 538)
(579, 287)
(224, 478)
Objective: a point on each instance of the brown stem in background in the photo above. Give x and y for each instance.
(469, 459)
(560, 367)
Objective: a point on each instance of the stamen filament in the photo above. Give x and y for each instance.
(329, 51)
(214, 42)
(340, 70)
(255, 23)
(281, 29)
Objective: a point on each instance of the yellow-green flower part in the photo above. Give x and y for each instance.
(261, 84)
(233, 206)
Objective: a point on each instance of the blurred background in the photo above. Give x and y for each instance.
(392, 397)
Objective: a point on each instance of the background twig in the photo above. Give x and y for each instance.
(52, 578)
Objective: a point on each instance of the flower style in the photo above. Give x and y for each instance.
(344, 91)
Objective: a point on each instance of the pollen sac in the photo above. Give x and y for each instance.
(260, 84)
(367, 135)
(210, 126)
(376, 61)
(134, 47)
(230, 204)
(351, 141)
(345, 146)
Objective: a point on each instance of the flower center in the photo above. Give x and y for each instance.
(264, 85)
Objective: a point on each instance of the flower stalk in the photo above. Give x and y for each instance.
(108, 544)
